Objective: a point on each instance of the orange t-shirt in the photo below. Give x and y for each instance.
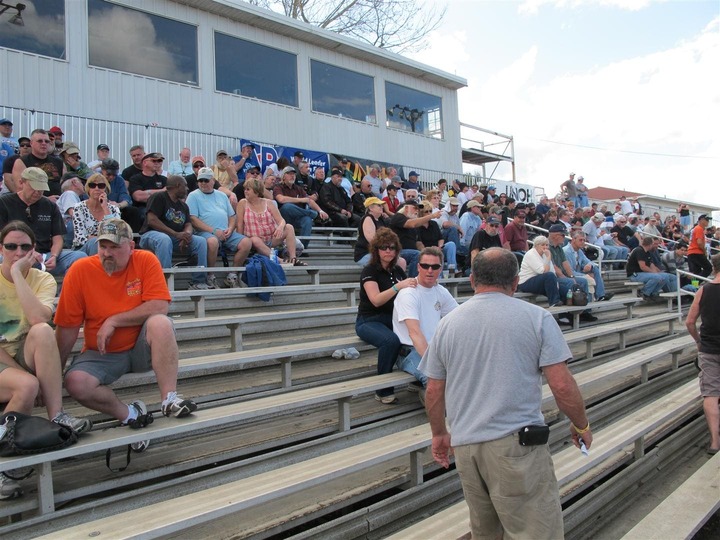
(694, 249)
(89, 296)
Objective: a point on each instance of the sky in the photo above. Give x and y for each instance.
(623, 92)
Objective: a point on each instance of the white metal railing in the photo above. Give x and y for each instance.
(681, 291)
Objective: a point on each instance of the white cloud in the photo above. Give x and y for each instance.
(667, 102)
(531, 7)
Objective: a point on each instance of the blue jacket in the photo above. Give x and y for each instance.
(574, 261)
(260, 271)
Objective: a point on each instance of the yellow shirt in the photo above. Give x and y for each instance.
(13, 324)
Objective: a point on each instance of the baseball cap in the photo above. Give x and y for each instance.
(70, 148)
(411, 202)
(251, 145)
(205, 173)
(287, 170)
(397, 179)
(153, 155)
(598, 216)
(221, 153)
(413, 173)
(336, 170)
(299, 154)
(110, 165)
(373, 200)
(23, 139)
(557, 228)
(198, 159)
(6, 121)
(36, 177)
(103, 147)
(344, 160)
(473, 203)
(491, 188)
(115, 230)
(454, 201)
(492, 220)
(520, 213)
(56, 130)
(703, 216)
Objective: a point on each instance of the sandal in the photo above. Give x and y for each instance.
(297, 262)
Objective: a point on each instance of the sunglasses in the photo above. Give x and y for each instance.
(387, 248)
(157, 160)
(13, 247)
(93, 185)
(203, 180)
(426, 266)
(24, 145)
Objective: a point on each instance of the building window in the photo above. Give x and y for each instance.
(138, 42)
(412, 110)
(253, 70)
(43, 31)
(342, 92)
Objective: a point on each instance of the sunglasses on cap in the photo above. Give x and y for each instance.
(93, 185)
(13, 247)
(427, 266)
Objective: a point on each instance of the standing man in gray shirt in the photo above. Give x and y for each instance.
(491, 387)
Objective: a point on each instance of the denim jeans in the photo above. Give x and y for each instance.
(300, 218)
(546, 284)
(90, 247)
(451, 234)
(599, 284)
(410, 363)
(654, 282)
(412, 256)
(65, 260)
(163, 246)
(377, 331)
(364, 260)
(449, 250)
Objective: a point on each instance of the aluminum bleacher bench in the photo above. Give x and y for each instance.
(683, 513)
(623, 437)
(199, 297)
(216, 417)
(616, 303)
(179, 513)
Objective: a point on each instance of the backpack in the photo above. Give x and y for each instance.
(260, 271)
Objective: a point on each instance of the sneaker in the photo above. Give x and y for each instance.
(588, 317)
(140, 446)
(339, 353)
(199, 287)
(176, 406)
(212, 282)
(386, 400)
(414, 386)
(608, 296)
(144, 418)
(352, 353)
(9, 488)
(78, 425)
(231, 280)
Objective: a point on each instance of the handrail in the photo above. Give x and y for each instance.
(680, 290)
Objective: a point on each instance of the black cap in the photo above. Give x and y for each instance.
(21, 139)
(703, 216)
(103, 147)
(110, 164)
(299, 154)
(411, 202)
(557, 228)
(336, 170)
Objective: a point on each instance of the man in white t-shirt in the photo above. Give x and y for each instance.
(418, 311)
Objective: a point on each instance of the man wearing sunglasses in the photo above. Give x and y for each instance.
(418, 311)
(148, 182)
(486, 238)
(40, 156)
(43, 217)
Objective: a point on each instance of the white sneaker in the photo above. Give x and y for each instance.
(9, 488)
(231, 280)
(352, 353)
(175, 405)
(144, 418)
(78, 425)
(199, 287)
(212, 282)
(340, 353)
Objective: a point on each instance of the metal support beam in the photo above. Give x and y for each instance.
(644, 373)
(286, 375)
(639, 447)
(344, 414)
(46, 500)
(235, 337)
(416, 468)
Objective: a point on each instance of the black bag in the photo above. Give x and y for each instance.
(579, 297)
(24, 435)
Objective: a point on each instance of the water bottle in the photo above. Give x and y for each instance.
(568, 298)
(273, 255)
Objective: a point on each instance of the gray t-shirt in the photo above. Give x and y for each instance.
(489, 351)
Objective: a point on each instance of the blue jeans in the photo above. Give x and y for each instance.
(449, 252)
(546, 284)
(65, 260)
(90, 247)
(300, 218)
(410, 363)
(582, 200)
(163, 246)
(364, 260)
(599, 284)
(412, 256)
(451, 234)
(654, 283)
(377, 331)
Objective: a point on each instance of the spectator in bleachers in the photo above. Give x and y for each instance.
(429, 235)
(70, 154)
(551, 219)
(413, 182)
(376, 183)
(136, 155)
(225, 174)
(582, 192)
(651, 228)
(239, 189)
(215, 220)
(418, 311)
(450, 222)
(119, 194)
(168, 229)
(543, 208)
(361, 192)
(470, 223)
(564, 217)
(485, 238)
(625, 206)
(336, 203)
(381, 280)
(198, 162)
(88, 214)
(398, 183)
(412, 195)
(532, 218)
(307, 182)
(566, 278)
(148, 182)
(442, 189)
(393, 203)
(675, 260)
(121, 300)
(597, 235)
(404, 223)
(516, 235)
(640, 268)
(41, 156)
(43, 217)
(697, 254)
(72, 190)
(685, 219)
(58, 135)
(260, 220)
(477, 197)
(370, 223)
(182, 166)
(625, 235)
(706, 306)
(8, 186)
(490, 403)
(102, 152)
(270, 181)
(582, 267)
(537, 273)
(569, 188)
(296, 207)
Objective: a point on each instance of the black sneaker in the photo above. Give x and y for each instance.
(176, 406)
(144, 418)
(608, 296)
(586, 316)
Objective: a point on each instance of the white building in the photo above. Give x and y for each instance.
(208, 73)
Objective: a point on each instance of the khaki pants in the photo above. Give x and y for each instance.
(510, 489)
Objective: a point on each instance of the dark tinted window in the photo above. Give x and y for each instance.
(342, 92)
(43, 31)
(249, 69)
(138, 42)
(412, 110)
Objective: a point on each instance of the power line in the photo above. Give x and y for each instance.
(622, 151)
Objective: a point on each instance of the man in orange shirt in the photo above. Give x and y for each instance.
(121, 299)
(698, 262)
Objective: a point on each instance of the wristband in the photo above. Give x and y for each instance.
(394, 288)
(581, 431)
